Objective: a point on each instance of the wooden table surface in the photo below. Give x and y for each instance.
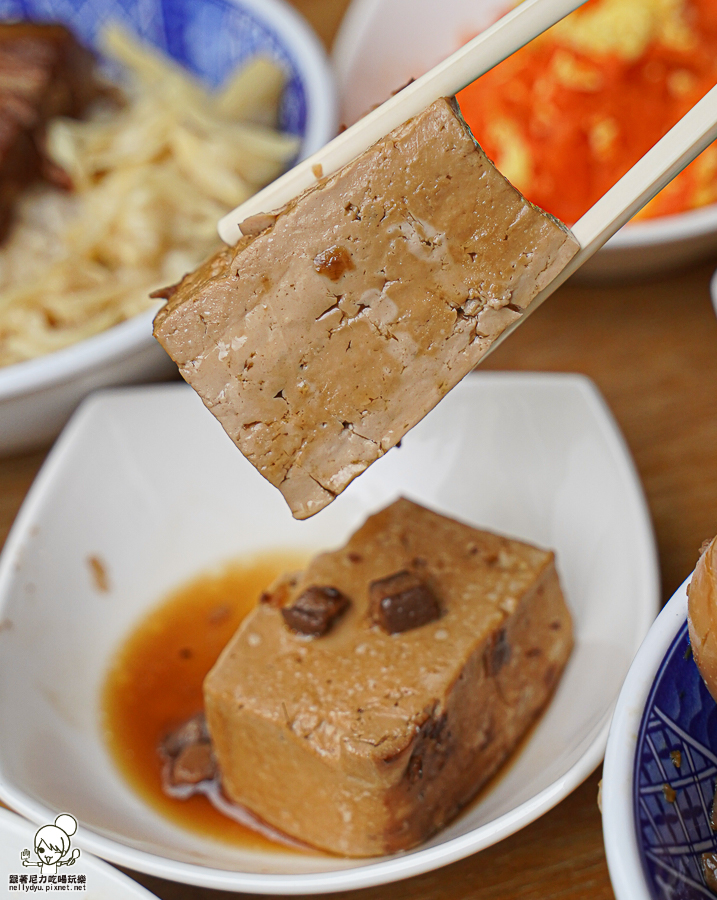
(651, 348)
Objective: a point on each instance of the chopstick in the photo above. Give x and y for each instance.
(683, 142)
(485, 51)
(694, 132)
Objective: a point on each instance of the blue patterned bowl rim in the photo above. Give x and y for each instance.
(286, 30)
(653, 840)
(211, 37)
(673, 794)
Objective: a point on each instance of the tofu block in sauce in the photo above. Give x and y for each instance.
(365, 729)
(319, 341)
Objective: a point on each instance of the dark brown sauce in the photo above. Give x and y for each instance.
(155, 684)
(333, 262)
(506, 766)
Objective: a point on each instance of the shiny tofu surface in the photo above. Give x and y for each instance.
(321, 340)
(365, 740)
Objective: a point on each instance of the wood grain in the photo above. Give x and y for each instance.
(16, 476)
(324, 15)
(651, 348)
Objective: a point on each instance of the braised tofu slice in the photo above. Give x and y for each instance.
(319, 341)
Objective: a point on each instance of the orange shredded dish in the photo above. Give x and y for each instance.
(566, 116)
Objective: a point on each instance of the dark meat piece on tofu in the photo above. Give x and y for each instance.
(188, 755)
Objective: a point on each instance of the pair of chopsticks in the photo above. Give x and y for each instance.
(689, 137)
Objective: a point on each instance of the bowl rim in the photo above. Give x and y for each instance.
(370, 874)
(51, 369)
(133, 335)
(682, 226)
(305, 47)
(618, 814)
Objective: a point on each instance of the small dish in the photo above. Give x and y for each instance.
(146, 480)
(210, 38)
(383, 43)
(654, 840)
(89, 874)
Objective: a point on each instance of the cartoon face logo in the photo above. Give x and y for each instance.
(52, 846)
(48, 854)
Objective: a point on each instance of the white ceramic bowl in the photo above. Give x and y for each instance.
(384, 43)
(211, 36)
(146, 479)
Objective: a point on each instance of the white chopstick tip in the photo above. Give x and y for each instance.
(229, 230)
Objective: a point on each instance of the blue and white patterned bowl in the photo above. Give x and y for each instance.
(210, 37)
(656, 813)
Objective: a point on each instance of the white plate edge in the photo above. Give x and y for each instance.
(130, 888)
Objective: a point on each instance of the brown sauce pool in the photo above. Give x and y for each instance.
(155, 683)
